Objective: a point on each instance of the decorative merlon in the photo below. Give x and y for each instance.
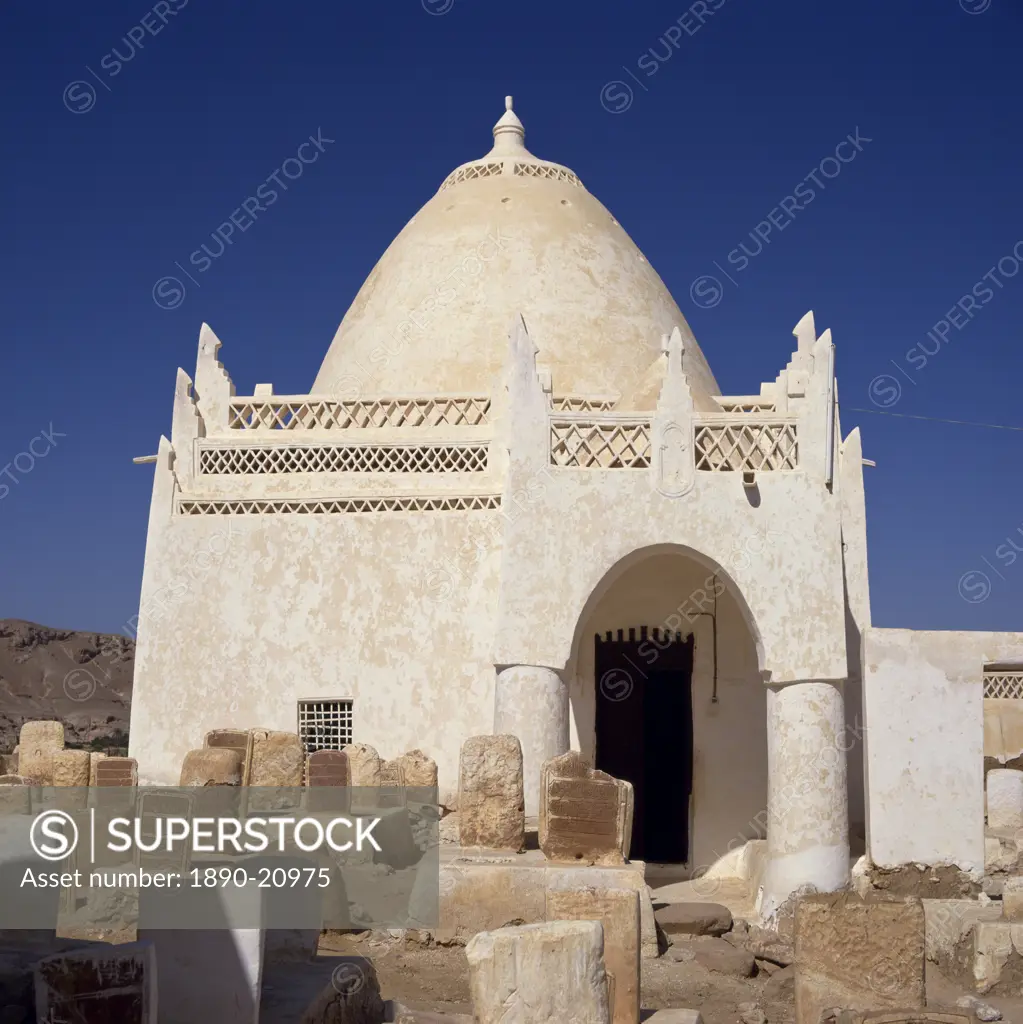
(186, 426)
(213, 387)
(672, 431)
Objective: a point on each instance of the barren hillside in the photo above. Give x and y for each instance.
(82, 679)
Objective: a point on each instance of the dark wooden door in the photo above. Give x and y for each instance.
(644, 733)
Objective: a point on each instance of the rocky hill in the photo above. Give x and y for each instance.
(82, 679)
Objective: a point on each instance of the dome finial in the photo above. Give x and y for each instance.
(509, 134)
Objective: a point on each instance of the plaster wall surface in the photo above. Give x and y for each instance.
(584, 529)
(243, 616)
(729, 798)
(923, 707)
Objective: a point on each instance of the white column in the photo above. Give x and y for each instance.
(807, 802)
(532, 703)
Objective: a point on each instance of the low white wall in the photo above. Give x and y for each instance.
(924, 715)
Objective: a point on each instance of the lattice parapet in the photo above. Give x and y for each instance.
(735, 447)
(490, 169)
(310, 413)
(363, 458)
(1004, 684)
(583, 403)
(600, 444)
(745, 404)
(339, 506)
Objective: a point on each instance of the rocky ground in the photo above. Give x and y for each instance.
(81, 679)
(437, 978)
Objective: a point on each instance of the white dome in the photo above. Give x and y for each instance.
(505, 235)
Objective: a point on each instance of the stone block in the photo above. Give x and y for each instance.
(1012, 898)
(211, 767)
(630, 876)
(949, 924)
(37, 744)
(998, 957)
(723, 958)
(233, 739)
(117, 771)
(694, 919)
(98, 985)
(478, 898)
(364, 764)
(585, 815)
(420, 770)
(327, 770)
(1005, 798)
(618, 912)
(859, 954)
(352, 997)
(15, 795)
(94, 759)
(491, 806)
(539, 974)
(278, 759)
(71, 768)
(675, 1017)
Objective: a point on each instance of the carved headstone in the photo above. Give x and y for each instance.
(37, 744)
(364, 763)
(392, 781)
(491, 807)
(211, 766)
(98, 985)
(618, 912)
(71, 768)
(233, 739)
(585, 815)
(327, 769)
(278, 759)
(117, 771)
(420, 769)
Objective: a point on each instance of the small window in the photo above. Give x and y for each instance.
(324, 724)
(1004, 680)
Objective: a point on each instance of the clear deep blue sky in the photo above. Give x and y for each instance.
(726, 120)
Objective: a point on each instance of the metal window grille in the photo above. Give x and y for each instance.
(324, 724)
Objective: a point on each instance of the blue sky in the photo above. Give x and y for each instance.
(131, 132)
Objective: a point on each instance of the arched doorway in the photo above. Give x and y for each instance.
(665, 690)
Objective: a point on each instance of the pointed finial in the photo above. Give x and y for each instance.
(673, 347)
(509, 134)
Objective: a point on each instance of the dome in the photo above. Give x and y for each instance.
(505, 235)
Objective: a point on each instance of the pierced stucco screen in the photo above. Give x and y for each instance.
(324, 724)
(1003, 681)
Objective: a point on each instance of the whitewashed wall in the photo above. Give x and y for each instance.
(923, 702)
(242, 616)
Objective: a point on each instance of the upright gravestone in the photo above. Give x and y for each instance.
(233, 739)
(491, 807)
(585, 815)
(212, 766)
(328, 778)
(37, 744)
